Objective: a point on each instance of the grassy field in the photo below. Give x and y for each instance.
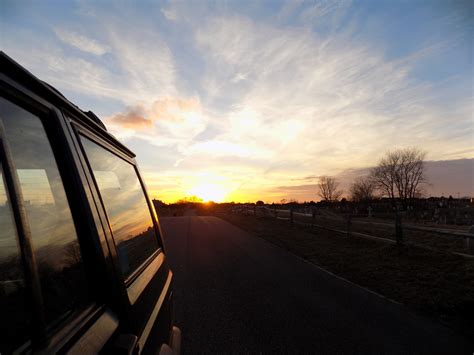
(436, 285)
(428, 239)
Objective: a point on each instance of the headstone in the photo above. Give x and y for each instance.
(398, 229)
(470, 241)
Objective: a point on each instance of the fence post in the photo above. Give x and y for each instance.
(470, 241)
(291, 218)
(398, 228)
(349, 224)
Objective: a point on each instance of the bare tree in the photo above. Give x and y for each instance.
(328, 189)
(363, 189)
(401, 174)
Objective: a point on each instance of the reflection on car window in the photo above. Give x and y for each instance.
(125, 204)
(35, 186)
(53, 232)
(14, 319)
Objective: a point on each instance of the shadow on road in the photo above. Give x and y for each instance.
(235, 293)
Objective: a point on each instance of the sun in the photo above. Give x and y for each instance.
(209, 192)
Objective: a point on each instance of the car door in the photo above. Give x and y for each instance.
(134, 236)
(53, 275)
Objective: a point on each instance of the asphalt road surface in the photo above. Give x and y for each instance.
(236, 293)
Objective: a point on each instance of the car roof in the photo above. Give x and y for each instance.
(19, 74)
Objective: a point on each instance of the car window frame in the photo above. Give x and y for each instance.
(103, 143)
(43, 336)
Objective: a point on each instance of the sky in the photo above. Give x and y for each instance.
(247, 100)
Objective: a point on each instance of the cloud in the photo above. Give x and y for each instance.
(213, 148)
(445, 177)
(301, 188)
(131, 64)
(81, 42)
(170, 14)
(450, 177)
(171, 121)
(323, 100)
(261, 101)
(307, 178)
(321, 9)
(132, 119)
(174, 109)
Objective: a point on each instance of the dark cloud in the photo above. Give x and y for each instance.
(450, 177)
(445, 177)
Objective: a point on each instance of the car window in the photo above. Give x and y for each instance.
(15, 319)
(125, 204)
(54, 238)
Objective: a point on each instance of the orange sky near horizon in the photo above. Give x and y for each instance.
(454, 177)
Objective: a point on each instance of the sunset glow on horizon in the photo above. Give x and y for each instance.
(209, 192)
(245, 101)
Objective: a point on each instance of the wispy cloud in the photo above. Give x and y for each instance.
(170, 13)
(130, 65)
(81, 42)
(175, 109)
(320, 9)
(315, 94)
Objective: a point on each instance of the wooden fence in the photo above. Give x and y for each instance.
(348, 225)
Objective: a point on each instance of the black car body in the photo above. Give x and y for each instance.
(82, 263)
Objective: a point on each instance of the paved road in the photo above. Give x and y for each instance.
(235, 293)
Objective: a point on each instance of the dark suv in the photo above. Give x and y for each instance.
(82, 263)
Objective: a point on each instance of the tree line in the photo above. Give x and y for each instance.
(399, 175)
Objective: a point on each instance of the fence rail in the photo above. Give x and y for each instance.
(347, 225)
